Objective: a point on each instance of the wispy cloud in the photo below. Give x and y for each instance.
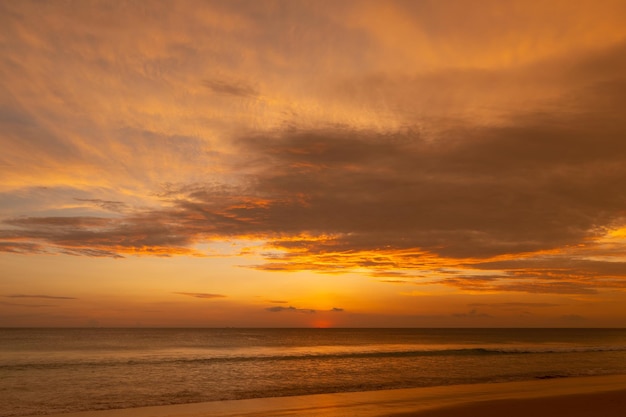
(49, 297)
(201, 295)
(290, 309)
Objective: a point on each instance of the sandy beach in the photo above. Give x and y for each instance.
(571, 397)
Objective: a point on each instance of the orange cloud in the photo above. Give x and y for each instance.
(201, 295)
(436, 143)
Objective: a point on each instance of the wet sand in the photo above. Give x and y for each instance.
(572, 397)
(606, 404)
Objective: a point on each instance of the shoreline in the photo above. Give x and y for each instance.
(548, 396)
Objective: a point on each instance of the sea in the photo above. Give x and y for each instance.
(49, 371)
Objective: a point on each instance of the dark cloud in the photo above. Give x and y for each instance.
(280, 309)
(49, 297)
(152, 233)
(95, 253)
(542, 181)
(201, 295)
(336, 199)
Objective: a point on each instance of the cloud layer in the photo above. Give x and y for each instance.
(483, 154)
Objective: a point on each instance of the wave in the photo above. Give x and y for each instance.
(309, 355)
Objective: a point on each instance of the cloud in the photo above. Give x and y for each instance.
(433, 167)
(334, 200)
(201, 295)
(49, 297)
(151, 233)
(94, 253)
(280, 309)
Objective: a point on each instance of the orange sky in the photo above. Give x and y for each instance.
(310, 163)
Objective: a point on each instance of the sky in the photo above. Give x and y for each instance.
(313, 163)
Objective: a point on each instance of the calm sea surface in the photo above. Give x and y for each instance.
(45, 371)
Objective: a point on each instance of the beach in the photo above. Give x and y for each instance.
(571, 397)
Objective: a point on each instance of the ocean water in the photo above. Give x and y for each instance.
(46, 371)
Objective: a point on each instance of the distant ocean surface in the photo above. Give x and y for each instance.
(45, 371)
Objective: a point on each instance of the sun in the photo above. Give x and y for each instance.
(322, 324)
